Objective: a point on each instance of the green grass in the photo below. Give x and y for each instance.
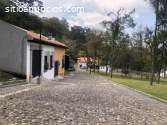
(66, 72)
(4, 78)
(158, 90)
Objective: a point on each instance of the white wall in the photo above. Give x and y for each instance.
(162, 74)
(12, 48)
(49, 74)
(103, 68)
(83, 64)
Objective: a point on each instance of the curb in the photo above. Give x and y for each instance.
(143, 93)
(12, 83)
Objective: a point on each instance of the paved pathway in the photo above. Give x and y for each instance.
(82, 99)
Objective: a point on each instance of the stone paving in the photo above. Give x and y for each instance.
(82, 99)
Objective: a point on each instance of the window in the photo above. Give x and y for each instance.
(46, 65)
(51, 61)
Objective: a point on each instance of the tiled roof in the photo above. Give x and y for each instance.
(45, 39)
(84, 59)
(36, 36)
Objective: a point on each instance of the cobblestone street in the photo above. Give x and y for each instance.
(82, 99)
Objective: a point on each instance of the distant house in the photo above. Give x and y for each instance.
(82, 62)
(20, 52)
(104, 68)
(163, 74)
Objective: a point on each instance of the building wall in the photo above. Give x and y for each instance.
(50, 73)
(83, 64)
(58, 56)
(46, 50)
(103, 68)
(12, 48)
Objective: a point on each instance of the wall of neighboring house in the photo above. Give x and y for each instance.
(12, 48)
(46, 51)
(163, 75)
(82, 64)
(103, 68)
(59, 54)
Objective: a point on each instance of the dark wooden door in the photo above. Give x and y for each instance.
(35, 63)
(56, 68)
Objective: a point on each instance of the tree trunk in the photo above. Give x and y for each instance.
(111, 67)
(141, 65)
(106, 70)
(159, 71)
(98, 62)
(130, 71)
(154, 46)
(94, 62)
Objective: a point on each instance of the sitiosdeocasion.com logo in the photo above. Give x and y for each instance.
(44, 9)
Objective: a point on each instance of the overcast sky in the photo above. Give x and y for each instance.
(96, 11)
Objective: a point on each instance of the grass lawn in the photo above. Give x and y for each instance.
(4, 78)
(158, 90)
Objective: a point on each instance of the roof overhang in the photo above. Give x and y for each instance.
(45, 43)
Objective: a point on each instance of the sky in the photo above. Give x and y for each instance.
(96, 11)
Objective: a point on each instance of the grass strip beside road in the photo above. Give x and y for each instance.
(158, 90)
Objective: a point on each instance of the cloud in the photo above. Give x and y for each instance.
(74, 23)
(101, 6)
(114, 5)
(96, 10)
(90, 19)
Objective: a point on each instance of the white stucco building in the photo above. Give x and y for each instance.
(103, 68)
(20, 52)
(83, 61)
(163, 74)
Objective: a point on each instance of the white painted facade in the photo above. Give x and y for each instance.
(16, 52)
(82, 64)
(162, 74)
(103, 68)
(49, 74)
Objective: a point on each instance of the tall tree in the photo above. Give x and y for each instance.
(66, 28)
(139, 37)
(53, 25)
(155, 5)
(116, 26)
(94, 40)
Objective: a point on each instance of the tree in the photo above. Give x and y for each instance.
(29, 3)
(66, 27)
(53, 26)
(105, 55)
(94, 38)
(71, 50)
(116, 26)
(139, 37)
(155, 6)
